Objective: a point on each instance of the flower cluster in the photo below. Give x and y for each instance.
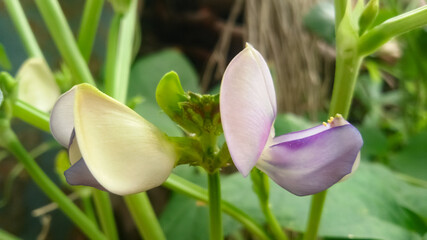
(113, 148)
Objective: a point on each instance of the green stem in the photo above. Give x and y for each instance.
(119, 52)
(88, 207)
(88, 26)
(47, 186)
(118, 84)
(105, 213)
(316, 209)
(24, 30)
(31, 115)
(377, 36)
(180, 185)
(143, 214)
(63, 37)
(272, 221)
(347, 67)
(346, 72)
(340, 7)
(110, 65)
(215, 214)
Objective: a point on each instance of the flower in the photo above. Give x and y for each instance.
(304, 162)
(37, 84)
(110, 146)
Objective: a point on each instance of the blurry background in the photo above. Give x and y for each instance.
(386, 199)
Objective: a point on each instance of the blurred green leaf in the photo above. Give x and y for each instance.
(286, 123)
(374, 141)
(321, 20)
(4, 60)
(369, 205)
(412, 159)
(7, 236)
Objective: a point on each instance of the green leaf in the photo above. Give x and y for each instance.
(368, 16)
(144, 78)
(374, 142)
(4, 60)
(156, 116)
(321, 21)
(286, 123)
(412, 159)
(148, 70)
(369, 205)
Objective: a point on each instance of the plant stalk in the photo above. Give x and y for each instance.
(215, 214)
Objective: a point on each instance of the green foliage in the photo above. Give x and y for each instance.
(321, 21)
(372, 204)
(412, 159)
(368, 16)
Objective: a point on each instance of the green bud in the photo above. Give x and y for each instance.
(169, 94)
(8, 95)
(120, 6)
(368, 16)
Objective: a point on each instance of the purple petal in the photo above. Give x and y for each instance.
(62, 117)
(312, 164)
(79, 174)
(248, 107)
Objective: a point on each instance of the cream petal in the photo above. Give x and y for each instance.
(37, 84)
(125, 153)
(62, 118)
(248, 107)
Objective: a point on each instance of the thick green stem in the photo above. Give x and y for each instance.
(88, 26)
(346, 71)
(105, 213)
(122, 30)
(144, 216)
(215, 213)
(117, 83)
(316, 209)
(376, 37)
(340, 7)
(24, 30)
(110, 65)
(47, 186)
(31, 115)
(63, 37)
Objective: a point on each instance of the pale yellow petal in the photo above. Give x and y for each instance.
(125, 153)
(37, 85)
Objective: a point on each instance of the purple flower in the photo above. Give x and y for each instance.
(304, 162)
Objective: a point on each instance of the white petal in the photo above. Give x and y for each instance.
(124, 152)
(37, 84)
(62, 118)
(248, 107)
